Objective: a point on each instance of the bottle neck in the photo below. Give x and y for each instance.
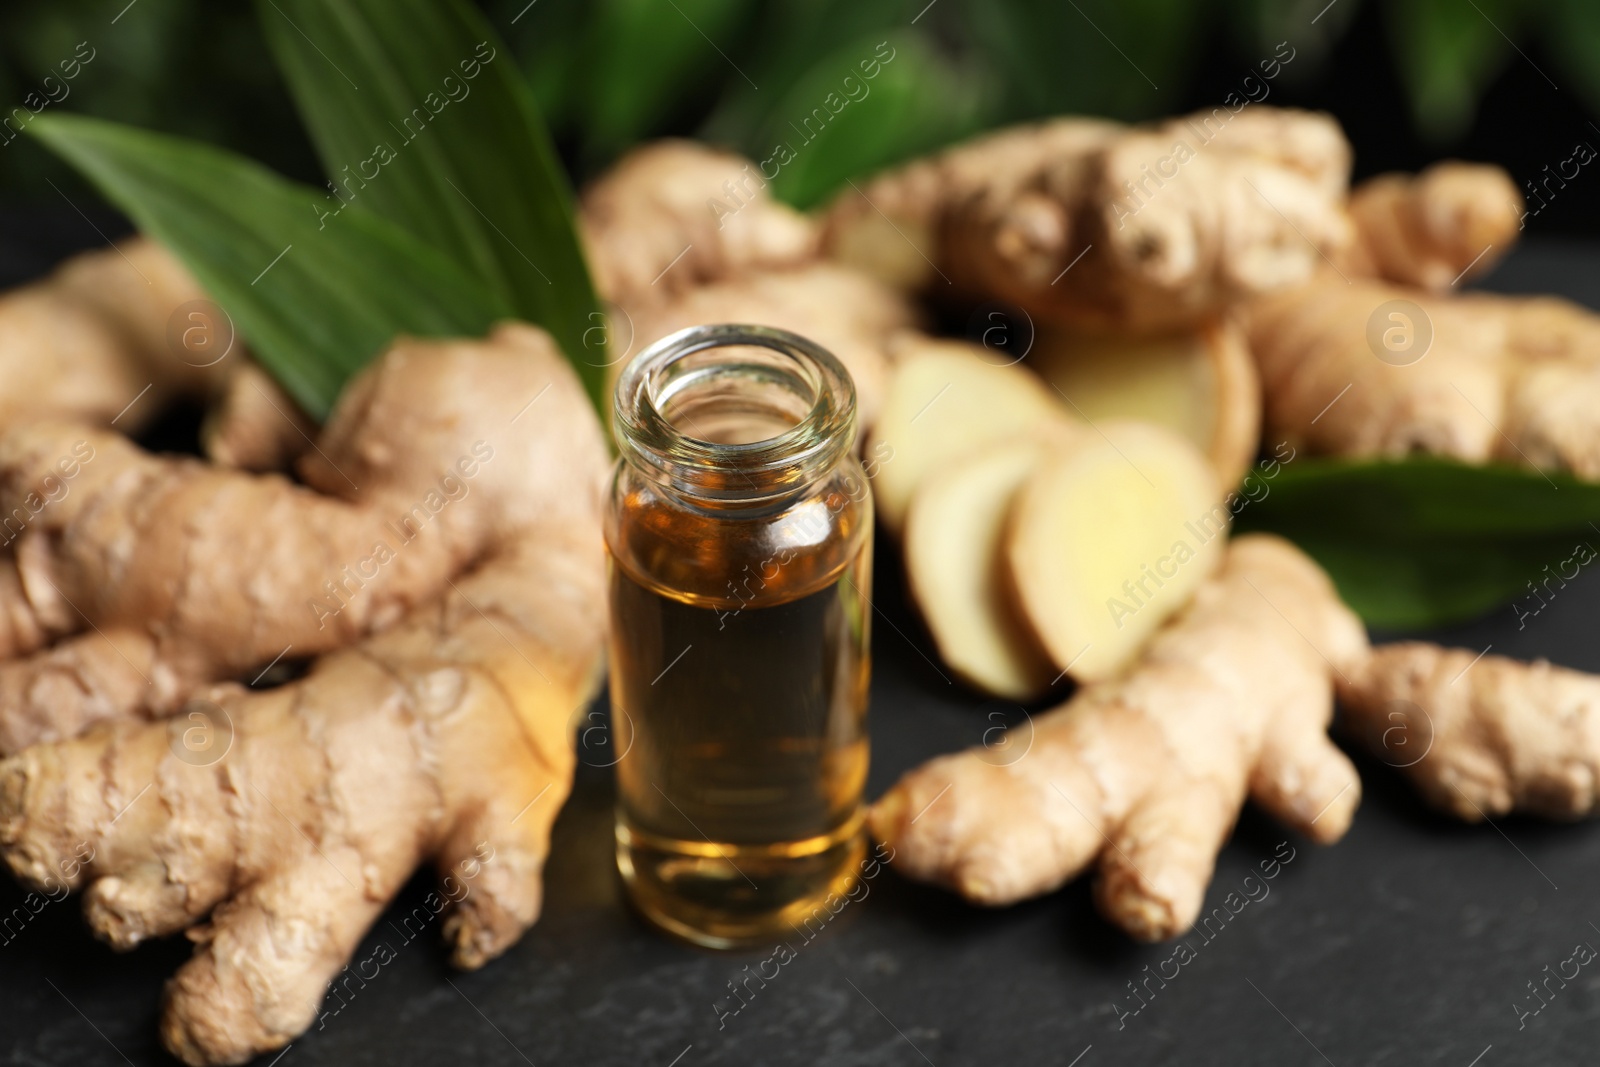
(734, 416)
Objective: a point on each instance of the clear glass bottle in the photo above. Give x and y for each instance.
(740, 534)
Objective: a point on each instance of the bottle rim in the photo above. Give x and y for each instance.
(651, 442)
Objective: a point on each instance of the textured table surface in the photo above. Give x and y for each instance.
(1408, 943)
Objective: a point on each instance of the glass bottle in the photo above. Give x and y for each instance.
(739, 529)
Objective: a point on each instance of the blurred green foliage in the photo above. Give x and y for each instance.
(1446, 58)
(747, 73)
(439, 213)
(196, 67)
(735, 71)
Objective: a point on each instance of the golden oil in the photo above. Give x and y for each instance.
(740, 635)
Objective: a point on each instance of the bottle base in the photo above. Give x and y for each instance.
(729, 896)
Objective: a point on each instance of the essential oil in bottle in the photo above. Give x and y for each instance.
(740, 539)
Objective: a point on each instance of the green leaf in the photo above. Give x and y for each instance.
(542, 35)
(1309, 29)
(1407, 587)
(1572, 37)
(649, 58)
(1422, 542)
(314, 304)
(1125, 59)
(1447, 53)
(421, 116)
(784, 47)
(836, 123)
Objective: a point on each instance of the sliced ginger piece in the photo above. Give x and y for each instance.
(945, 400)
(1200, 383)
(954, 533)
(1108, 539)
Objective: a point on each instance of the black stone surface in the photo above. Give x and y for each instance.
(1411, 942)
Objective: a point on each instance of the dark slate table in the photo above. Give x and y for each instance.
(1411, 942)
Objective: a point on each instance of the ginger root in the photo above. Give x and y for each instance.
(1060, 551)
(253, 425)
(155, 575)
(1365, 367)
(1147, 772)
(1092, 224)
(1370, 369)
(86, 341)
(1480, 736)
(682, 235)
(909, 223)
(115, 335)
(1434, 229)
(675, 214)
(445, 737)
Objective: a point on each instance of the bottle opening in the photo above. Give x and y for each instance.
(734, 413)
(737, 395)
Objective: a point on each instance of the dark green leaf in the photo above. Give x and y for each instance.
(785, 46)
(421, 116)
(1422, 587)
(314, 304)
(1424, 542)
(648, 58)
(1126, 59)
(836, 123)
(1572, 37)
(1302, 31)
(1447, 53)
(542, 35)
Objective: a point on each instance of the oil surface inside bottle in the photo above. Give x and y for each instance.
(742, 720)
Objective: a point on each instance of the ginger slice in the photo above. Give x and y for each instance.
(944, 400)
(1146, 773)
(1200, 383)
(1480, 735)
(953, 538)
(1108, 538)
